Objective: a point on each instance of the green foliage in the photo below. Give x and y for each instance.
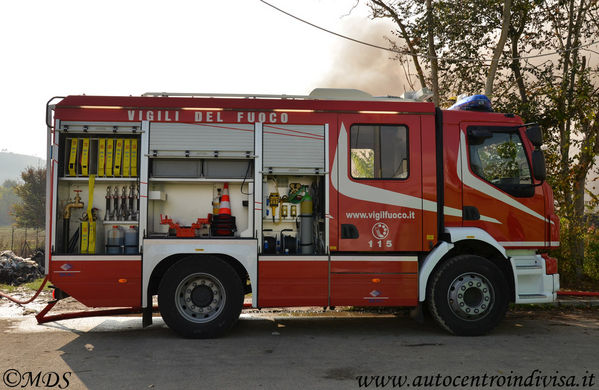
(591, 258)
(499, 161)
(8, 197)
(569, 270)
(362, 163)
(560, 92)
(30, 212)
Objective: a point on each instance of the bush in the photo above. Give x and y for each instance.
(567, 262)
(591, 255)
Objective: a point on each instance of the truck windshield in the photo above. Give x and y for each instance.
(500, 159)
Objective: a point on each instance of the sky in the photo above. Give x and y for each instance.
(128, 47)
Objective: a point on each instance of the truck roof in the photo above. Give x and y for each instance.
(319, 100)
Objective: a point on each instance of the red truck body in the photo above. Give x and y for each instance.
(398, 190)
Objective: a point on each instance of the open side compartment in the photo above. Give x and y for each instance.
(186, 194)
(111, 154)
(293, 215)
(200, 180)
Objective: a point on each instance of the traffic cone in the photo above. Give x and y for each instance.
(225, 202)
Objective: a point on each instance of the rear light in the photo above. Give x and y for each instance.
(58, 294)
(550, 264)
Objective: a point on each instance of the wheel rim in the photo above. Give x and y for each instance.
(200, 297)
(471, 296)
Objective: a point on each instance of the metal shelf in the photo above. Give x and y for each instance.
(132, 223)
(197, 180)
(288, 219)
(108, 179)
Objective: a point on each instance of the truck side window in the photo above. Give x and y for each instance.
(379, 151)
(500, 159)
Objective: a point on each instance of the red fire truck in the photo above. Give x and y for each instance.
(333, 199)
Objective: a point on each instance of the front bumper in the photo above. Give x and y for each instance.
(531, 282)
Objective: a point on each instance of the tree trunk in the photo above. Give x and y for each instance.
(577, 244)
(516, 69)
(505, 25)
(432, 53)
(576, 193)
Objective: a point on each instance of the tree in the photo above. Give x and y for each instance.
(435, 33)
(561, 93)
(7, 199)
(493, 46)
(30, 212)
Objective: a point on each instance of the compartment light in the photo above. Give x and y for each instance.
(291, 110)
(201, 109)
(380, 112)
(102, 107)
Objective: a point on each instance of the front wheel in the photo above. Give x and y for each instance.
(200, 297)
(468, 295)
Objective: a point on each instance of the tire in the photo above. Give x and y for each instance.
(200, 297)
(468, 295)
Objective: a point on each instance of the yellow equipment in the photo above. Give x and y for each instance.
(273, 200)
(126, 157)
(118, 156)
(73, 157)
(88, 227)
(84, 156)
(109, 154)
(101, 156)
(284, 211)
(134, 157)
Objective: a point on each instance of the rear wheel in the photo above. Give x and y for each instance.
(200, 297)
(468, 295)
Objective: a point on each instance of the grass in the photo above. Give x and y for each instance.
(18, 243)
(15, 241)
(34, 286)
(7, 288)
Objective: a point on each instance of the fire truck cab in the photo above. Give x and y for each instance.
(337, 198)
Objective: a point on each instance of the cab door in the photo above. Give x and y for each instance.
(377, 175)
(499, 193)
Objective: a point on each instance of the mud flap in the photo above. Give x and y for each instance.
(147, 316)
(417, 314)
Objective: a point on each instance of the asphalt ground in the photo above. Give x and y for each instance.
(540, 346)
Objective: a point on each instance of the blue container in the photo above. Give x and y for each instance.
(115, 241)
(131, 241)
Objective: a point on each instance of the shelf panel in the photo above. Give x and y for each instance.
(197, 180)
(269, 219)
(108, 179)
(132, 223)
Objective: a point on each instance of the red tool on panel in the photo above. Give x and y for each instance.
(183, 231)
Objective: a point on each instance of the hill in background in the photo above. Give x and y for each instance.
(12, 164)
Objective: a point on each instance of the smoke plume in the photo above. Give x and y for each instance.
(368, 69)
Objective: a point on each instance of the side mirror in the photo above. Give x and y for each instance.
(534, 135)
(538, 165)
